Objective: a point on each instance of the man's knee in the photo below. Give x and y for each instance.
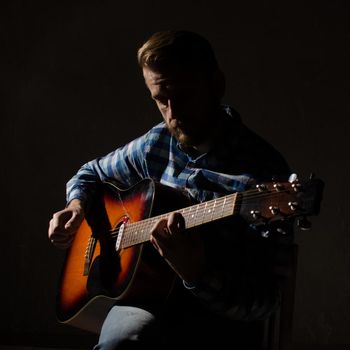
(127, 328)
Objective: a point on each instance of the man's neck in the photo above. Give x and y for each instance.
(208, 144)
(203, 147)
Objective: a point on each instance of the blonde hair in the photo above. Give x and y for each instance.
(182, 48)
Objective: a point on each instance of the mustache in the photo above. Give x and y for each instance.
(180, 124)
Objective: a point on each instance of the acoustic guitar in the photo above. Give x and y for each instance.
(111, 260)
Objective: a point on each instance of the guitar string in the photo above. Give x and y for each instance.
(148, 223)
(138, 228)
(247, 198)
(167, 214)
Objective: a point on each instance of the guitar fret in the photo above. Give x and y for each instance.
(204, 212)
(209, 213)
(216, 213)
(139, 232)
(189, 218)
(196, 215)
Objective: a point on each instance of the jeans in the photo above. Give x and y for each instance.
(129, 327)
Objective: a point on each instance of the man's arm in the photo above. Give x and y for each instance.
(122, 165)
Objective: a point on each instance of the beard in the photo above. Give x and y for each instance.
(196, 127)
(189, 136)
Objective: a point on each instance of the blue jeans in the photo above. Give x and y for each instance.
(128, 327)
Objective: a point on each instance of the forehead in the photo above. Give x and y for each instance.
(153, 78)
(169, 81)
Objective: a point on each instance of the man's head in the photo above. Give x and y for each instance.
(166, 49)
(183, 76)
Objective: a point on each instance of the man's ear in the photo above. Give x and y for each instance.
(219, 83)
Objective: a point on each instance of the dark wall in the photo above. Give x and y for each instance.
(72, 91)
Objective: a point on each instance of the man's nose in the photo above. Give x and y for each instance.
(174, 110)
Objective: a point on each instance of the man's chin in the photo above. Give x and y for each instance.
(187, 140)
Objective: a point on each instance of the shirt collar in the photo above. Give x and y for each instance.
(233, 117)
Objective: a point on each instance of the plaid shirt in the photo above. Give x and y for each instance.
(239, 158)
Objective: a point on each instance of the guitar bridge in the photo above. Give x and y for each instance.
(88, 254)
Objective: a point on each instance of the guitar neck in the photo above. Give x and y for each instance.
(195, 215)
(267, 203)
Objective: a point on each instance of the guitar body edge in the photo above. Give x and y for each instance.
(92, 315)
(137, 275)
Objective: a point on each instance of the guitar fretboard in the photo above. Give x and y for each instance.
(199, 214)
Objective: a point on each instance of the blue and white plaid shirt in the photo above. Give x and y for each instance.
(239, 158)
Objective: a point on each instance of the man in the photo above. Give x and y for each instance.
(201, 147)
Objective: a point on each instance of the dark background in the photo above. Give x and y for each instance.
(71, 91)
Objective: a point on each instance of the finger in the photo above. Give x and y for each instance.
(50, 230)
(59, 233)
(157, 230)
(159, 235)
(62, 237)
(58, 221)
(62, 245)
(62, 242)
(54, 229)
(73, 222)
(56, 234)
(176, 223)
(154, 243)
(166, 231)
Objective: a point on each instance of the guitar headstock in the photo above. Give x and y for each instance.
(271, 204)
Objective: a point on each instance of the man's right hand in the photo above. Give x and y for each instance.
(65, 223)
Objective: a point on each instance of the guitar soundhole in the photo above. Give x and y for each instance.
(106, 266)
(103, 273)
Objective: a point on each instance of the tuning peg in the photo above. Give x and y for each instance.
(293, 178)
(296, 186)
(255, 214)
(265, 233)
(304, 224)
(261, 187)
(274, 210)
(281, 231)
(278, 187)
(293, 205)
